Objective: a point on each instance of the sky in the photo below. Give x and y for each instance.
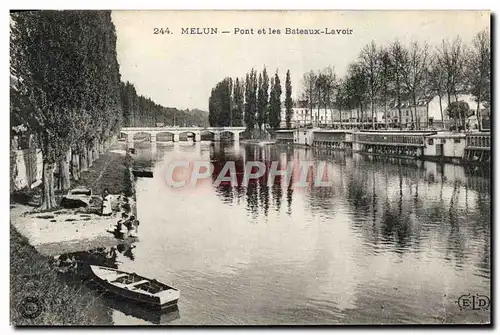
(179, 70)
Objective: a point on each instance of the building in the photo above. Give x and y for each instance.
(425, 114)
(435, 107)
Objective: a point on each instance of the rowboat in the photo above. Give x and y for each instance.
(77, 197)
(134, 287)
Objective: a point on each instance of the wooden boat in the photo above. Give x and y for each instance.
(144, 172)
(77, 197)
(136, 288)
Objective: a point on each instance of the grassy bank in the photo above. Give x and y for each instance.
(32, 276)
(111, 172)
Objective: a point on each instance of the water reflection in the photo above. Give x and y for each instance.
(388, 240)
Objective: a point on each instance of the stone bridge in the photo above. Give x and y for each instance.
(130, 132)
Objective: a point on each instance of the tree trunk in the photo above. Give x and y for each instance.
(75, 166)
(385, 113)
(449, 103)
(373, 115)
(101, 147)
(64, 182)
(95, 150)
(400, 117)
(49, 199)
(441, 110)
(362, 116)
(84, 160)
(90, 158)
(411, 117)
(478, 115)
(417, 119)
(427, 114)
(317, 116)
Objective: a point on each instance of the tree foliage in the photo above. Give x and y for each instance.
(68, 78)
(275, 103)
(288, 100)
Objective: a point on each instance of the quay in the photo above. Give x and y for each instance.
(454, 147)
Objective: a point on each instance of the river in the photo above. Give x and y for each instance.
(389, 241)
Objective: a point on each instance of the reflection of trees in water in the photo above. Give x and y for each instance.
(395, 225)
(390, 199)
(358, 194)
(264, 195)
(252, 199)
(456, 241)
(276, 193)
(289, 198)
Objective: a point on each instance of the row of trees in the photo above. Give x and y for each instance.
(398, 73)
(141, 111)
(254, 102)
(67, 88)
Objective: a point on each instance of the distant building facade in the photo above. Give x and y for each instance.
(426, 113)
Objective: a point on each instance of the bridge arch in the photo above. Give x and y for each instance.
(227, 133)
(141, 135)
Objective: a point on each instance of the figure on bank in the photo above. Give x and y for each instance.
(106, 204)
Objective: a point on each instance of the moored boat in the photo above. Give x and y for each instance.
(134, 287)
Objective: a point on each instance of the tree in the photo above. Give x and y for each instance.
(275, 103)
(329, 87)
(262, 98)
(385, 79)
(479, 71)
(451, 58)
(356, 88)
(399, 61)
(436, 83)
(370, 61)
(415, 75)
(319, 88)
(250, 99)
(220, 104)
(343, 98)
(458, 111)
(308, 89)
(238, 103)
(288, 100)
(38, 41)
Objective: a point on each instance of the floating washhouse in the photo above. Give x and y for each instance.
(332, 138)
(285, 136)
(320, 138)
(427, 144)
(445, 146)
(478, 147)
(394, 143)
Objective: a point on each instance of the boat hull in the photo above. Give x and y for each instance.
(152, 301)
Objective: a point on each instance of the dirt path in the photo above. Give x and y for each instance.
(62, 231)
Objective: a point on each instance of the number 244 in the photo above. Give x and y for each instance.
(161, 31)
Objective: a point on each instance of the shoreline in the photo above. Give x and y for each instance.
(69, 230)
(37, 237)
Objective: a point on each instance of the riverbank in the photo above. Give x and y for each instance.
(432, 145)
(33, 278)
(69, 230)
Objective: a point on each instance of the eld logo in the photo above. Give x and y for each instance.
(30, 307)
(474, 302)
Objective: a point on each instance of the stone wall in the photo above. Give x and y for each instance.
(26, 168)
